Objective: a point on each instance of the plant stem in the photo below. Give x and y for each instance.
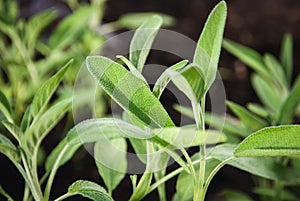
(213, 173)
(53, 173)
(64, 196)
(34, 185)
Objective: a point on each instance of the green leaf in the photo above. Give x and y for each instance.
(277, 72)
(189, 136)
(128, 91)
(142, 41)
(267, 93)
(44, 94)
(8, 149)
(248, 56)
(36, 24)
(89, 190)
(134, 20)
(286, 56)
(251, 121)
(40, 128)
(258, 110)
(271, 192)
(265, 167)
(26, 119)
(225, 125)
(70, 28)
(288, 110)
(234, 195)
(110, 158)
(208, 48)
(131, 67)
(271, 141)
(164, 78)
(51, 159)
(5, 102)
(13, 129)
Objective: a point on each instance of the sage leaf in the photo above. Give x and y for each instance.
(286, 56)
(271, 141)
(110, 158)
(44, 94)
(208, 48)
(251, 121)
(128, 91)
(142, 41)
(13, 129)
(89, 190)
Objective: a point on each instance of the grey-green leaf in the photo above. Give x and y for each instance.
(5, 102)
(110, 158)
(248, 56)
(8, 149)
(286, 56)
(271, 141)
(89, 190)
(44, 94)
(128, 91)
(265, 167)
(288, 109)
(134, 20)
(208, 48)
(164, 78)
(13, 129)
(251, 121)
(142, 41)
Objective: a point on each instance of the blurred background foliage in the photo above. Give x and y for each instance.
(38, 36)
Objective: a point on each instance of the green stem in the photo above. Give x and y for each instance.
(26, 193)
(64, 196)
(53, 173)
(278, 190)
(213, 173)
(34, 185)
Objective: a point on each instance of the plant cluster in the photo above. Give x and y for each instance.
(264, 142)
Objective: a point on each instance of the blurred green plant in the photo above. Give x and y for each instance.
(280, 103)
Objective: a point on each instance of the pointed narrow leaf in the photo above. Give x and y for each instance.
(271, 141)
(248, 56)
(234, 195)
(134, 20)
(267, 93)
(164, 79)
(286, 56)
(40, 128)
(142, 41)
(131, 67)
(276, 71)
(89, 190)
(288, 109)
(209, 44)
(44, 94)
(4, 101)
(13, 129)
(26, 119)
(8, 149)
(258, 110)
(128, 91)
(110, 158)
(250, 120)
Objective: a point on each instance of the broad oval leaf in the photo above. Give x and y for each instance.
(128, 91)
(271, 141)
(110, 158)
(89, 190)
(142, 41)
(265, 167)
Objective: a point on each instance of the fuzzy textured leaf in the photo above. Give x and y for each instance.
(89, 190)
(142, 41)
(271, 141)
(128, 91)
